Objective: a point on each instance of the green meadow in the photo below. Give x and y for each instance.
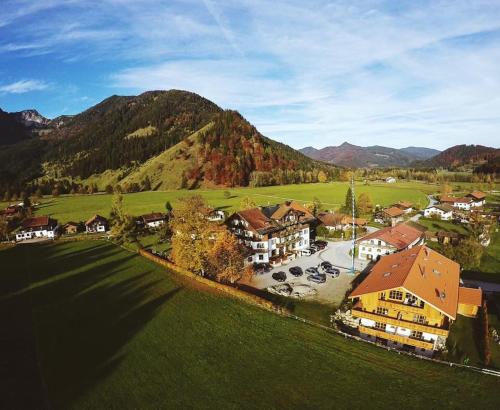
(332, 195)
(88, 325)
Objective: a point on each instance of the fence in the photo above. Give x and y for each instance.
(256, 300)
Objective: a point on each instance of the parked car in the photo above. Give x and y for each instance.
(307, 252)
(319, 278)
(313, 246)
(320, 244)
(296, 271)
(260, 268)
(325, 265)
(312, 250)
(312, 271)
(334, 272)
(283, 289)
(279, 276)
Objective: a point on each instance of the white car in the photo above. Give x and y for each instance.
(306, 252)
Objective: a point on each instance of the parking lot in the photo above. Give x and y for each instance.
(334, 289)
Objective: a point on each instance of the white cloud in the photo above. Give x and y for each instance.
(23, 86)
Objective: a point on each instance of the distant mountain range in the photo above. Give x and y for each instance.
(350, 155)
(167, 139)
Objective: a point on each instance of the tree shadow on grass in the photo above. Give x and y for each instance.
(81, 322)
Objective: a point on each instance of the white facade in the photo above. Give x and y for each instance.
(155, 224)
(95, 228)
(217, 216)
(40, 233)
(432, 210)
(464, 206)
(371, 249)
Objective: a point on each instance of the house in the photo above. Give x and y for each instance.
(392, 215)
(11, 212)
(443, 211)
(272, 234)
(463, 203)
(478, 198)
(37, 227)
(153, 220)
(446, 237)
(216, 215)
(337, 221)
(96, 224)
(405, 206)
(389, 240)
(410, 299)
(71, 228)
(390, 180)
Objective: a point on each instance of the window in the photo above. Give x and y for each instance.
(381, 295)
(260, 245)
(382, 311)
(363, 248)
(410, 299)
(261, 257)
(379, 243)
(396, 295)
(418, 318)
(380, 326)
(416, 335)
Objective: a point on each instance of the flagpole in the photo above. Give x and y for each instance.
(353, 226)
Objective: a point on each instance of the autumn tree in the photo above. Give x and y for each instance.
(247, 203)
(122, 225)
(365, 204)
(467, 253)
(225, 258)
(315, 206)
(190, 234)
(322, 177)
(446, 189)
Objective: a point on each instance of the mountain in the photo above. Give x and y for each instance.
(136, 139)
(350, 155)
(420, 152)
(464, 156)
(31, 119)
(11, 130)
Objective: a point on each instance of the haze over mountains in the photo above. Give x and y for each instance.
(350, 155)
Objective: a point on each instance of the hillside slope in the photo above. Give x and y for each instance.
(470, 156)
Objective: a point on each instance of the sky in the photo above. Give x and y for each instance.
(306, 73)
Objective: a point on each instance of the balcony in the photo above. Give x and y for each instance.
(396, 338)
(419, 327)
(400, 306)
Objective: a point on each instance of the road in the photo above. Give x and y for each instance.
(432, 201)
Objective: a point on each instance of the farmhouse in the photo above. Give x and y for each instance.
(463, 203)
(405, 206)
(337, 221)
(96, 224)
(410, 299)
(153, 220)
(11, 212)
(37, 227)
(478, 198)
(216, 215)
(390, 180)
(272, 234)
(389, 240)
(443, 211)
(71, 228)
(392, 215)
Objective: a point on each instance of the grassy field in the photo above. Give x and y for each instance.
(448, 226)
(89, 325)
(332, 195)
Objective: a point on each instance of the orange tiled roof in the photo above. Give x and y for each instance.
(96, 218)
(421, 271)
(404, 205)
(470, 296)
(464, 200)
(400, 236)
(37, 221)
(347, 220)
(447, 199)
(477, 195)
(331, 219)
(256, 219)
(298, 207)
(393, 212)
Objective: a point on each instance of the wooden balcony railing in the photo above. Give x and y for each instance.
(396, 338)
(419, 327)
(391, 304)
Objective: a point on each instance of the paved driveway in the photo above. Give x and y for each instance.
(334, 289)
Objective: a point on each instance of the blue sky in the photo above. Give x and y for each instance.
(317, 73)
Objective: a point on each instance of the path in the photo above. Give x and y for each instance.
(432, 201)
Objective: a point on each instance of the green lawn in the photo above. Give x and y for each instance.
(461, 342)
(332, 195)
(438, 225)
(108, 329)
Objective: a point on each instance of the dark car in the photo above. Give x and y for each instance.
(312, 271)
(260, 268)
(334, 272)
(320, 245)
(319, 278)
(325, 265)
(279, 276)
(312, 250)
(296, 271)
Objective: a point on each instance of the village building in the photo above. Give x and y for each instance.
(390, 180)
(410, 299)
(340, 222)
(443, 211)
(389, 240)
(216, 215)
(463, 203)
(273, 234)
(37, 227)
(71, 228)
(392, 215)
(11, 212)
(152, 220)
(478, 198)
(446, 237)
(96, 224)
(405, 206)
